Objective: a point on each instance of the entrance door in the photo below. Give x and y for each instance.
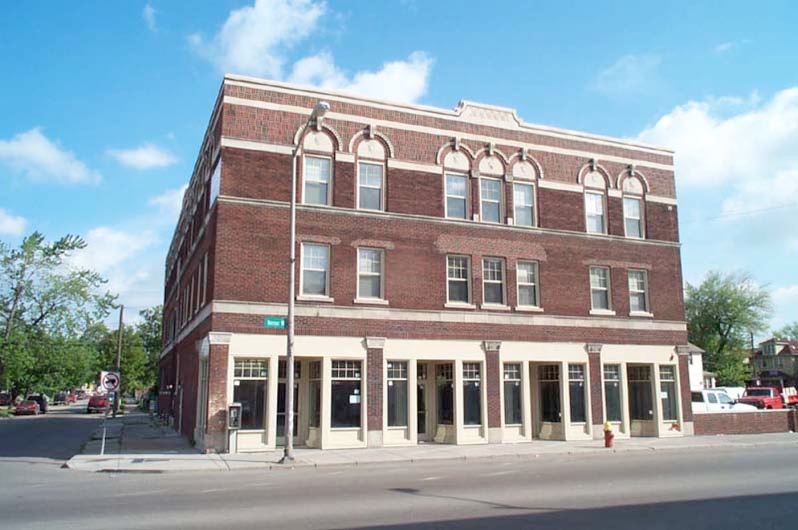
(641, 402)
(281, 389)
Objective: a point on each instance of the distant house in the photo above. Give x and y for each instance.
(776, 362)
(699, 378)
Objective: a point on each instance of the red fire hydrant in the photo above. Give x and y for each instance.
(609, 437)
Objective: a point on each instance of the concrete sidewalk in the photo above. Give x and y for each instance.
(142, 446)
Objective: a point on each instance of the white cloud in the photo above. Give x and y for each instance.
(169, 202)
(12, 225)
(630, 74)
(147, 156)
(148, 13)
(39, 159)
(786, 294)
(107, 248)
(724, 47)
(257, 40)
(395, 80)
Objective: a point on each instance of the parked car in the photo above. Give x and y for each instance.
(60, 398)
(97, 403)
(714, 400)
(5, 399)
(734, 392)
(27, 408)
(770, 397)
(42, 400)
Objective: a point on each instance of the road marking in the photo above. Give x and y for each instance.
(214, 490)
(431, 478)
(499, 473)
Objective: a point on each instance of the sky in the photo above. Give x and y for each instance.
(104, 104)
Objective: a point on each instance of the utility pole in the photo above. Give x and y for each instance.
(119, 356)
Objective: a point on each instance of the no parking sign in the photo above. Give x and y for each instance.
(110, 381)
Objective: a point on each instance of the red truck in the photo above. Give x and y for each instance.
(770, 397)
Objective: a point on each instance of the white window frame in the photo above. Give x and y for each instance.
(500, 201)
(536, 284)
(446, 195)
(647, 311)
(305, 179)
(302, 295)
(381, 165)
(458, 303)
(603, 196)
(533, 205)
(493, 305)
(205, 279)
(599, 310)
(640, 222)
(381, 274)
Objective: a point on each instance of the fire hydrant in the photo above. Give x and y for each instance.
(609, 437)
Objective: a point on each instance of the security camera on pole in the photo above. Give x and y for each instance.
(319, 110)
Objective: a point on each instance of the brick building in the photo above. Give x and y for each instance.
(462, 277)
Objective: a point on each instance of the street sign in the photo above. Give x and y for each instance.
(274, 322)
(110, 381)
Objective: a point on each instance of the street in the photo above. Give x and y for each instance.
(721, 488)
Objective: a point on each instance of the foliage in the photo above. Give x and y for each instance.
(149, 328)
(788, 330)
(722, 312)
(134, 362)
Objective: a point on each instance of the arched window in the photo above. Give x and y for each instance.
(371, 155)
(524, 176)
(491, 189)
(633, 211)
(595, 203)
(317, 168)
(456, 168)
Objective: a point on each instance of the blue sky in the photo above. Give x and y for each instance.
(104, 105)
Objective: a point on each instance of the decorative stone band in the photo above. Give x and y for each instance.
(592, 347)
(375, 343)
(491, 345)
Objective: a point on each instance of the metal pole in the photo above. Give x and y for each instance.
(288, 455)
(118, 356)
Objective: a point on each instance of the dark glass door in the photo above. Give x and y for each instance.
(422, 410)
(281, 412)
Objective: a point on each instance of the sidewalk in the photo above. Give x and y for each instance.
(136, 444)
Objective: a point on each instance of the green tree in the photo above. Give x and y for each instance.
(788, 330)
(721, 313)
(133, 360)
(149, 328)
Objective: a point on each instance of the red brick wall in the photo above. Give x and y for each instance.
(374, 388)
(217, 388)
(764, 421)
(493, 378)
(596, 388)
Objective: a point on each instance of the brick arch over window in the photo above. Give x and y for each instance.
(305, 134)
(455, 151)
(368, 134)
(590, 171)
(637, 182)
(491, 161)
(524, 166)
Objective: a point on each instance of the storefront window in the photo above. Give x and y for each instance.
(345, 394)
(472, 402)
(549, 375)
(444, 380)
(576, 392)
(667, 384)
(315, 394)
(512, 394)
(397, 394)
(612, 392)
(640, 401)
(249, 389)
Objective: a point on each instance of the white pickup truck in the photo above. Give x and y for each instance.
(713, 400)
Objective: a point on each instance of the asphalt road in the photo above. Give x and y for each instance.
(724, 489)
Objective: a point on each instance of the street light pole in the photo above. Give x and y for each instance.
(319, 110)
(118, 356)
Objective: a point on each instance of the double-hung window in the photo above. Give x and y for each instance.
(524, 204)
(458, 278)
(369, 273)
(317, 179)
(493, 281)
(315, 269)
(600, 288)
(632, 217)
(370, 186)
(527, 283)
(345, 394)
(638, 291)
(472, 395)
(594, 211)
(397, 393)
(456, 196)
(491, 200)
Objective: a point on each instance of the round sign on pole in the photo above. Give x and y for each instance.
(110, 381)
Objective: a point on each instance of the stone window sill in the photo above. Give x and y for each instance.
(370, 301)
(529, 308)
(313, 298)
(495, 307)
(643, 314)
(459, 305)
(602, 312)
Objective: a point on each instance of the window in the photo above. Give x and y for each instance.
(456, 193)
(315, 393)
(315, 269)
(491, 200)
(397, 394)
(345, 394)
(594, 209)
(600, 288)
(527, 283)
(512, 394)
(725, 399)
(249, 389)
(640, 399)
(549, 376)
(216, 181)
(524, 204)
(612, 392)
(576, 391)
(493, 281)
(369, 273)
(205, 278)
(667, 383)
(370, 185)
(445, 395)
(318, 174)
(472, 402)
(638, 291)
(458, 274)
(632, 217)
